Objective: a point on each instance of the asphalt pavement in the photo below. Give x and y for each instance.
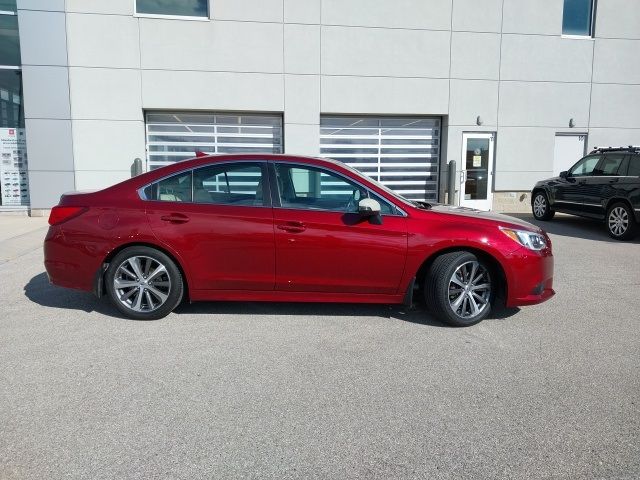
(271, 390)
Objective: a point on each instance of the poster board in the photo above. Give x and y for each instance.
(14, 184)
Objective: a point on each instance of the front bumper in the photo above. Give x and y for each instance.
(530, 279)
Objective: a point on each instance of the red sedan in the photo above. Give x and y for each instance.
(284, 228)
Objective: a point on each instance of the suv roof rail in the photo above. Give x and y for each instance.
(630, 148)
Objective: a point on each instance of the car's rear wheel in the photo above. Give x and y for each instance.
(621, 223)
(144, 283)
(540, 207)
(459, 288)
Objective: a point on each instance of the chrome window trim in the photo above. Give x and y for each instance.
(300, 164)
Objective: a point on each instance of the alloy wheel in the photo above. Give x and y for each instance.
(618, 221)
(470, 290)
(142, 284)
(539, 206)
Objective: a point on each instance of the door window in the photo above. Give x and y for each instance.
(634, 166)
(176, 188)
(610, 165)
(312, 188)
(585, 166)
(229, 184)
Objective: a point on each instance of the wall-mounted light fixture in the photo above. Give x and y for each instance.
(479, 120)
(571, 123)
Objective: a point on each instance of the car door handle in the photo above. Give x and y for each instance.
(175, 218)
(292, 227)
(582, 182)
(614, 180)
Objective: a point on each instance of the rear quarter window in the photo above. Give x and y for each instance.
(634, 166)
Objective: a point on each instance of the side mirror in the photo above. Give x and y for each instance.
(564, 174)
(368, 207)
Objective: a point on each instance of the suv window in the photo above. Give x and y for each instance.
(229, 184)
(585, 166)
(176, 188)
(610, 165)
(316, 189)
(634, 166)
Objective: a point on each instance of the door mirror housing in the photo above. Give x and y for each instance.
(368, 207)
(564, 174)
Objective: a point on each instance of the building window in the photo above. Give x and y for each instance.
(178, 8)
(577, 18)
(175, 136)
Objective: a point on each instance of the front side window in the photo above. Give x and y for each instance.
(182, 8)
(316, 189)
(176, 188)
(229, 184)
(585, 166)
(577, 18)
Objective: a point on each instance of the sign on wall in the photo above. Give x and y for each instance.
(14, 185)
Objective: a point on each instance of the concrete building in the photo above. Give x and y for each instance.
(512, 90)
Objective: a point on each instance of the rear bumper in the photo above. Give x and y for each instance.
(530, 280)
(69, 262)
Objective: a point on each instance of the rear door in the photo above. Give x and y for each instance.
(605, 183)
(324, 245)
(219, 219)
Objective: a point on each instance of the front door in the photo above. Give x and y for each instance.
(324, 245)
(477, 170)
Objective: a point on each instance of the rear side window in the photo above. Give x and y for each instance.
(634, 166)
(611, 165)
(176, 188)
(229, 184)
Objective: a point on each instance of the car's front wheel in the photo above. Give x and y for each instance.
(144, 283)
(540, 207)
(621, 223)
(459, 288)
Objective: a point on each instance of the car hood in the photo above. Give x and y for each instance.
(482, 215)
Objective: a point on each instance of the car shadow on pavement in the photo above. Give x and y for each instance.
(40, 291)
(572, 226)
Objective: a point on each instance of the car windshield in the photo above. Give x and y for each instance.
(413, 203)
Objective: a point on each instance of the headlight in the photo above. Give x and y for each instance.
(531, 240)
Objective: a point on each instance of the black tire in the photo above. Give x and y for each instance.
(621, 222)
(166, 284)
(540, 207)
(441, 297)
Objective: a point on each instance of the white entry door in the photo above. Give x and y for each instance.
(476, 170)
(569, 148)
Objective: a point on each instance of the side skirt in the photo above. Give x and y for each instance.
(280, 296)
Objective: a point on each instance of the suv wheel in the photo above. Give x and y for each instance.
(540, 207)
(144, 283)
(459, 288)
(621, 222)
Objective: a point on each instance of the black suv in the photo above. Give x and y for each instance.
(604, 185)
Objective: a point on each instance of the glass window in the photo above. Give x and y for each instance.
(183, 8)
(316, 189)
(585, 166)
(634, 166)
(11, 108)
(8, 6)
(230, 184)
(576, 17)
(610, 165)
(176, 188)
(9, 41)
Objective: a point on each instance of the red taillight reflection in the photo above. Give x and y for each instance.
(62, 214)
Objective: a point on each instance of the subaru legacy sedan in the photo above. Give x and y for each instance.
(294, 229)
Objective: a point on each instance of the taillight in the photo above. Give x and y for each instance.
(62, 214)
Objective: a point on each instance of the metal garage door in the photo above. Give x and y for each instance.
(175, 136)
(402, 153)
